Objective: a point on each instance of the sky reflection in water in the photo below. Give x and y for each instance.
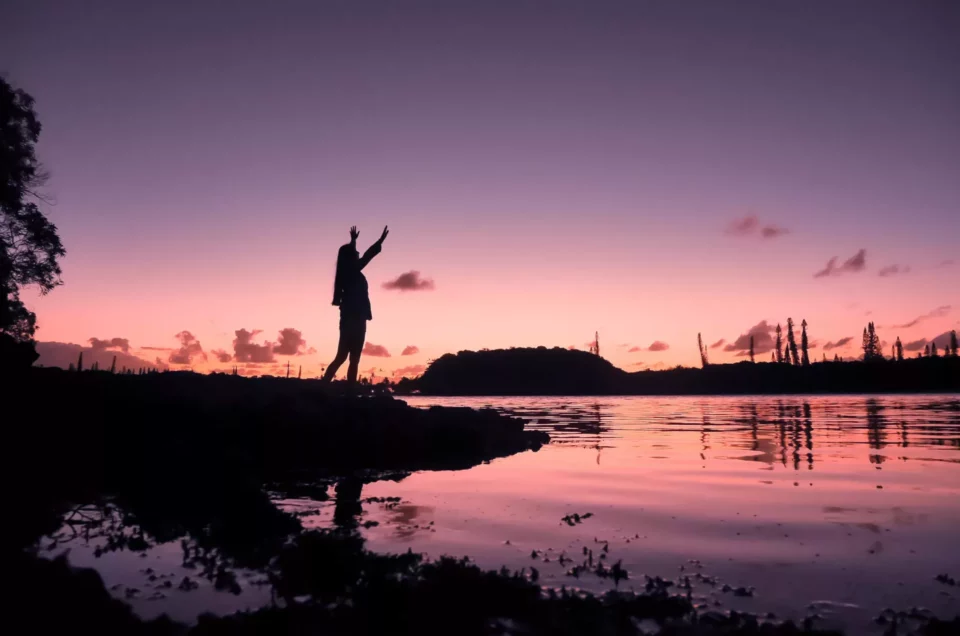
(848, 503)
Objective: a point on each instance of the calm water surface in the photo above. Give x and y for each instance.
(839, 506)
(833, 506)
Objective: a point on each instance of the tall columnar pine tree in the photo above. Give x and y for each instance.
(779, 344)
(703, 352)
(752, 359)
(871, 344)
(804, 344)
(898, 347)
(926, 351)
(792, 343)
(953, 343)
(933, 350)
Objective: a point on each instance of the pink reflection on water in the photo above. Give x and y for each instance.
(848, 503)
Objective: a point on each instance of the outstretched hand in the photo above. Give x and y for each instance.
(386, 231)
(354, 233)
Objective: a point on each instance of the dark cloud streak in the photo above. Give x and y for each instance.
(113, 343)
(410, 281)
(855, 263)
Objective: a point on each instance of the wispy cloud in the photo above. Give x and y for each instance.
(842, 342)
(658, 345)
(113, 343)
(773, 231)
(750, 225)
(916, 345)
(939, 312)
(941, 341)
(893, 270)
(719, 343)
(634, 349)
(410, 281)
(855, 263)
(410, 350)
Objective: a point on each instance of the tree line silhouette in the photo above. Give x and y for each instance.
(871, 346)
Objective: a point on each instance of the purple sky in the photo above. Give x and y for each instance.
(537, 158)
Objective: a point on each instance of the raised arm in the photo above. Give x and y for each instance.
(374, 249)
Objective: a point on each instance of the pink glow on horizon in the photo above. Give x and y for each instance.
(648, 172)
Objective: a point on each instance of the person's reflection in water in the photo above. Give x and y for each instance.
(347, 508)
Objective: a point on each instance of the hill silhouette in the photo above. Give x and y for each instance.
(525, 371)
(542, 371)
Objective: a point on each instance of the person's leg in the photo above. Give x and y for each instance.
(343, 350)
(357, 336)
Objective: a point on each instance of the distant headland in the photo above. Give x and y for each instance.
(543, 371)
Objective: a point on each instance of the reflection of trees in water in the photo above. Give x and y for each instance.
(778, 433)
(583, 425)
(876, 433)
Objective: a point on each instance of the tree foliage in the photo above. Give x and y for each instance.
(804, 344)
(792, 344)
(30, 248)
(871, 343)
(779, 350)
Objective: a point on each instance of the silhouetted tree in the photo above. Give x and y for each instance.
(596, 342)
(779, 349)
(824, 357)
(80, 362)
(926, 351)
(300, 373)
(933, 350)
(871, 344)
(804, 343)
(836, 358)
(792, 343)
(29, 245)
(703, 352)
(751, 349)
(898, 347)
(953, 343)
(113, 365)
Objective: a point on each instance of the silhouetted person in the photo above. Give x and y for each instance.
(350, 293)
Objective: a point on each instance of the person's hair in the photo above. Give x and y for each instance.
(346, 256)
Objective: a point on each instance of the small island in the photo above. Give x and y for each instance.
(557, 371)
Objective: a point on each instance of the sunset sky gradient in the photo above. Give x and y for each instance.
(648, 170)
